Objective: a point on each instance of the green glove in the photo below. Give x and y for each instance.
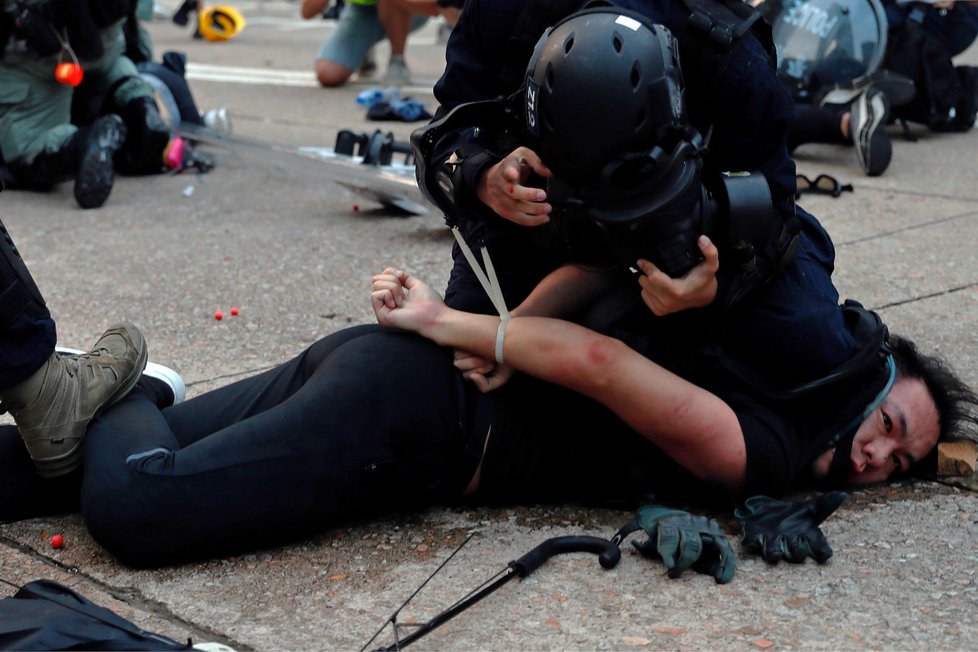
(683, 540)
(777, 529)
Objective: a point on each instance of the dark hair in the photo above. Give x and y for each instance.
(957, 403)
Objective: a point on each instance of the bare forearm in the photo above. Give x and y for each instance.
(541, 347)
(691, 425)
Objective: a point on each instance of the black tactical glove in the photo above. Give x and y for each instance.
(683, 540)
(776, 529)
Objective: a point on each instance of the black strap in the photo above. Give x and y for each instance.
(721, 21)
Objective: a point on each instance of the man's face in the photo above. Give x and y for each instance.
(896, 435)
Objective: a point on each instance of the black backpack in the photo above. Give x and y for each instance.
(46, 615)
(946, 94)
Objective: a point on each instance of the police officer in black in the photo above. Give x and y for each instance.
(509, 185)
(623, 159)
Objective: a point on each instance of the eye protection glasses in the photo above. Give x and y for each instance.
(823, 184)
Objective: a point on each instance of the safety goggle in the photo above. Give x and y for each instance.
(823, 184)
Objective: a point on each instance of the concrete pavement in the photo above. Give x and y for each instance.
(270, 233)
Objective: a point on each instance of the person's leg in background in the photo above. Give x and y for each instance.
(357, 30)
(860, 124)
(816, 124)
(400, 18)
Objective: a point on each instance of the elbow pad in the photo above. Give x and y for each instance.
(451, 152)
(457, 178)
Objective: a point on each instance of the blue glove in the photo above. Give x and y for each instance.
(777, 529)
(683, 540)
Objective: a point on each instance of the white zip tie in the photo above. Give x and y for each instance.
(500, 339)
(490, 283)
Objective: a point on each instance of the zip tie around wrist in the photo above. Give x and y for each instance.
(501, 339)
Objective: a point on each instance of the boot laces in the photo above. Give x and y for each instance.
(73, 362)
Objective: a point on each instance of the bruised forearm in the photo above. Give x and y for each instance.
(691, 425)
(552, 350)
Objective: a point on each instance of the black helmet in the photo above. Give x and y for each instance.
(605, 111)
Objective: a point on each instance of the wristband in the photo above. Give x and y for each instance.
(501, 338)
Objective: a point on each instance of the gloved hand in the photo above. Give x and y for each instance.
(683, 540)
(777, 529)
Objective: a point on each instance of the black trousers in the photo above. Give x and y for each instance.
(816, 124)
(364, 421)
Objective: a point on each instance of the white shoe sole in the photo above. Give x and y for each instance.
(153, 370)
(873, 147)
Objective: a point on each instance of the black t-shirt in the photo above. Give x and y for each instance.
(548, 443)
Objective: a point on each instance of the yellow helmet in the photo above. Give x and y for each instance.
(220, 23)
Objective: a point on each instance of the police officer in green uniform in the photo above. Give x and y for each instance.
(39, 144)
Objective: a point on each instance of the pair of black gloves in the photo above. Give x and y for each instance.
(775, 529)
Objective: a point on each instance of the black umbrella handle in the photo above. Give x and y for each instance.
(608, 552)
(608, 556)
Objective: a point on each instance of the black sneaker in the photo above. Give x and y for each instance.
(96, 173)
(867, 126)
(182, 15)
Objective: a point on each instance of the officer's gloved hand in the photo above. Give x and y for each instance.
(683, 540)
(777, 529)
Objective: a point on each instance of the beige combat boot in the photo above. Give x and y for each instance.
(54, 406)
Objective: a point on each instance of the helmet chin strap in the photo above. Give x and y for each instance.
(841, 464)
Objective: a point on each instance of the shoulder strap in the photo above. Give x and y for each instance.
(723, 22)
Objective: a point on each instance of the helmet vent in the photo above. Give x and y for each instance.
(617, 44)
(636, 76)
(569, 44)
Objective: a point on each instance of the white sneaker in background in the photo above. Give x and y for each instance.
(867, 125)
(398, 74)
(218, 120)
